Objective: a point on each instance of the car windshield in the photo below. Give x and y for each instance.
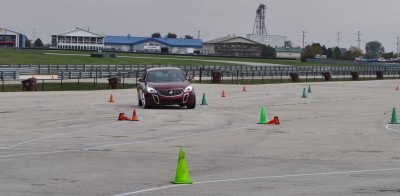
(165, 76)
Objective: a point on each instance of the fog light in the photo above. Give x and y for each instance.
(185, 98)
(156, 100)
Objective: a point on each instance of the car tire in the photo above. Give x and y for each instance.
(139, 100)
(193, 105)
(144, 102)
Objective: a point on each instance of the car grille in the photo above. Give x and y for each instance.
(170, 92)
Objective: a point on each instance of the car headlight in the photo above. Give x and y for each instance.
(151, 90)
(188, 89)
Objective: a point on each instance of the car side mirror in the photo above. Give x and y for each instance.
(141, 80)
(190, 78)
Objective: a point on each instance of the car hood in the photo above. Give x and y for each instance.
(172, 85)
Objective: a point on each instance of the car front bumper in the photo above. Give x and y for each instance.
(156, 99)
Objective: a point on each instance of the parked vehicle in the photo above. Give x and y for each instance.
(165, 86)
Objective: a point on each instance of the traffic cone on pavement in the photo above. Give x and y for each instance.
(397, 87)
(111, 98)
(271, 122)
(277, 122)
(134, 116)
(263, 118)
(204, 101)
(121, 116)
(309, 89)
(182, 171)
(304, 93)
(223, 93)
(52, 77)
(244, 89)
(394, 117)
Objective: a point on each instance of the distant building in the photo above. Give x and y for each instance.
(275, 41)
(78, 39)
(288, 53)
(10, 38)
(232, 46)
(153, 45)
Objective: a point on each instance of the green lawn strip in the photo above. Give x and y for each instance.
(19, 56)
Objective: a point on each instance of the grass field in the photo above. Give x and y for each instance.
(11, 56)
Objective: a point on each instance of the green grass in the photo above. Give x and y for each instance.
(19, 56)
(63, 87)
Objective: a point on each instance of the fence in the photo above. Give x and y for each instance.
(137, 70)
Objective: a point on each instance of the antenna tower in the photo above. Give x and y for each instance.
(259, 23)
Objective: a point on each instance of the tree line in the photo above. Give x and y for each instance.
(373, 50)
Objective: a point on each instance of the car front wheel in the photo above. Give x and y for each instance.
(139, 100)
(193, 105)
(144, 102)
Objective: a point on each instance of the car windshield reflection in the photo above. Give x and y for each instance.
(165, 76)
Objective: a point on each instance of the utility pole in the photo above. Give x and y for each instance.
(358, 39)
(338, 39)
(34, 34)
(198, 35)
(303, 37)
(397, 46)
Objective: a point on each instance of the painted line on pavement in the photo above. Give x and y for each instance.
(260, 177)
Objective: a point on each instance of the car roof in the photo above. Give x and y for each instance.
(163, 68)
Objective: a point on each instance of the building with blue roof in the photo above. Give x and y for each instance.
(153, 45)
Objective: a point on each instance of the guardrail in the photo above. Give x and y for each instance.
(135, 71)
(9, 74)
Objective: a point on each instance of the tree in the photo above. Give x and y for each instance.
(329, 53)
(188, 37)
(28, 43)
(352, 53)
(310, 51)
(288, 44)
(336, 54)
(374, 49)
(38, 43)
(268, 51)
(388, 55)
(171, 35)
(156, 35)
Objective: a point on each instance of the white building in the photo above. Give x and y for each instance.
(10, 38)
(288, 53)
(78, 39)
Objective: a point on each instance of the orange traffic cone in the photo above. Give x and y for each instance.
(121, 116)
(271, 122)
(244, 88)
(126, 118)
(134, 116)
(111, 98)
(52, 77)
(223, 93)
(397, 87)
(276, 119)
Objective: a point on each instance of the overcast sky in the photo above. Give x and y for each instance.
(320, 19)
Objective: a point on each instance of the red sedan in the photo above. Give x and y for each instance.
(165, 86)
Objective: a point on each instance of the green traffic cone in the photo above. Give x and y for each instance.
(394, 117)
(263, 119)
(204, 101)
(304, 93)
(309, 89)
(182, 171)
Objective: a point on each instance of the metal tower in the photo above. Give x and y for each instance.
(259, 23)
